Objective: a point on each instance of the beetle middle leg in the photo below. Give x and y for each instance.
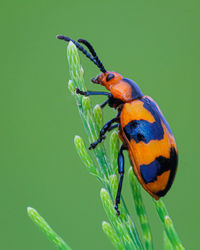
(104, 103)
(107, 127)
(121, 172)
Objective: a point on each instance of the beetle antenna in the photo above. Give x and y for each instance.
(91, 49)
(67, 39)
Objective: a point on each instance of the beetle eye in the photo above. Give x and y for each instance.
(109, 77)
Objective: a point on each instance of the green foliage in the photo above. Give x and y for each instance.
(43, 225)
(168, 225)
(140, 209)
(121, 229)
(108, 230)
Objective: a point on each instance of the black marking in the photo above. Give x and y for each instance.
(141, 130)
(109, 77)
(140, 137)
(173, 163)
(136, 92)
(152, 108)
(157, 167)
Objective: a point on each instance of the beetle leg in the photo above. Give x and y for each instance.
(104, 103)
(121, 172)
(107, 127)
(113, 127)
(88, 93)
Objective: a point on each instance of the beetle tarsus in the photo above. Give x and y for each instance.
(94, 144)
(80, 92)
(117, 210)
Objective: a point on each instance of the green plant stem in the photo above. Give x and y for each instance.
(44, 227)
(167, 243)
(168, 225)
(108, 230)
(140, 209)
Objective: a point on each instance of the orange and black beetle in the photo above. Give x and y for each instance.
(143, 130)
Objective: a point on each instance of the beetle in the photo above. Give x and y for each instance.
(142, 127)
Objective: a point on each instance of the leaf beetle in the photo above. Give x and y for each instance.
(143, 130)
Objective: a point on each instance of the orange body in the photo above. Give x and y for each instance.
(145, 132)
(143, 153)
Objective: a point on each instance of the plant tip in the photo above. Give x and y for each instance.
(104, 222)
(29, 208)
(76, 137)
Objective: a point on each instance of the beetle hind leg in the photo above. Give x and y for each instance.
(121, 172)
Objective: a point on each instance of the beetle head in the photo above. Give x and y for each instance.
(107, 79)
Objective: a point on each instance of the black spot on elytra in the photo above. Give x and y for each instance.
(140, 137)
(161, 164)
(141, 130)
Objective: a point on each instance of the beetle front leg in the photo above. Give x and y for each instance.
(107, 127)
(89, 93)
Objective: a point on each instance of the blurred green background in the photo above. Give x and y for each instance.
(156, 43)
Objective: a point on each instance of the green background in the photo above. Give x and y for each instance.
(156, 43)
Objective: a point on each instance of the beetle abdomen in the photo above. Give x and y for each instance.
(152, 147)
